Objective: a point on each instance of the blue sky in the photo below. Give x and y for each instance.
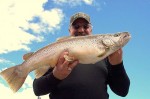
(28, 25)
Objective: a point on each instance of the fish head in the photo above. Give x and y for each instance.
(116, 41)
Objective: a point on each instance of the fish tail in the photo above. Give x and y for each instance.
(15, 77)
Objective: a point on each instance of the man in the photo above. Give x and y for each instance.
(71, 80)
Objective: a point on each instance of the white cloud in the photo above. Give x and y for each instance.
(27, 93)
(73, 2)
(28, 82)
(16, 16)
(48, 21)
(2, 60)
(89, 2)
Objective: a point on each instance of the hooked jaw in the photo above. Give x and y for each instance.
(125, 38)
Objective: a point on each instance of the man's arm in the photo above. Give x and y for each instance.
(45, 84)
(118, 79)
(53, 77)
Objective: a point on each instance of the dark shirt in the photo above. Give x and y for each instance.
(86, 81)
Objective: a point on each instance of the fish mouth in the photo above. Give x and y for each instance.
(125, 38)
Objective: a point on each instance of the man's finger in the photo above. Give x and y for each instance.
(72, 65)
(65, 64)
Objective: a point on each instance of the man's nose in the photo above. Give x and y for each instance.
(81, 29)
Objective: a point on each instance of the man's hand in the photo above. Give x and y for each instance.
(63, 67)
(116, 57)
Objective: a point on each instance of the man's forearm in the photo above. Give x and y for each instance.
(45, 84)
(118, 80)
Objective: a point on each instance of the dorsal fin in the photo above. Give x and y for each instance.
(28, 55)
(64, 38)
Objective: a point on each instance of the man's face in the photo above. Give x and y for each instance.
(80, 28)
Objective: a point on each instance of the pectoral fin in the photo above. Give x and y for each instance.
(69, 58)
(41, 71)
(102, 52)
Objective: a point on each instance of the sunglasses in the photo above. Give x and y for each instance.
(85, 26)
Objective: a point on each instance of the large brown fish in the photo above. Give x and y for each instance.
(87, 49)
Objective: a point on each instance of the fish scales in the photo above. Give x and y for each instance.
(59, 46)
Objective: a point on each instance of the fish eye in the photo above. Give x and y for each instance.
(116, 35)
